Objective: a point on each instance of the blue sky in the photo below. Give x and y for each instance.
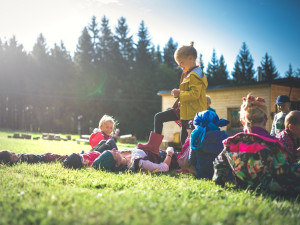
(270, 26)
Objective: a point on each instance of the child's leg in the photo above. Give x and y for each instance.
(183, 133)
(163, 117)
(106, 145)
(204, 165)
(112, 143)
(30, 158)
(49, 157)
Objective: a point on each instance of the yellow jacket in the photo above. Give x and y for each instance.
(192, 94)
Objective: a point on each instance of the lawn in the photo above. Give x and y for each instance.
(51, 194)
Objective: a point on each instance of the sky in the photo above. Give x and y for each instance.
(267, 26)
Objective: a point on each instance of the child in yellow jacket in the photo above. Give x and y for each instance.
(191, 97)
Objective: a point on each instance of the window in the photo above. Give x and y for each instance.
(233, 115)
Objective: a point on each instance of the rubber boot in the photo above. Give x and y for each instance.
(153, 143)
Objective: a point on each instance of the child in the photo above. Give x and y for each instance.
(77, 161)
(191, 97)
(133, 159)
(283, 104)
(8, 157)
(206, 142)
(208, 99)
(104, 132)
(290, 134)
(256, 160)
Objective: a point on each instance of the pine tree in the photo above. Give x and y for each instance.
(289, 73)
(157, 56)
(106, 43)
(126, 45)
(84, 50)
(40, 50)
(268, 69)
(169, 51)
(144, 84)
(94, 34)
(212, 69)
(143, 46)
(243, 71)
(222, 73)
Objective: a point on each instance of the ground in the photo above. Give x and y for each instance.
(51, 194)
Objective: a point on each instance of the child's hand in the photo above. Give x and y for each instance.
(175, 92)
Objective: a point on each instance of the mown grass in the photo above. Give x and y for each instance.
(50, 194)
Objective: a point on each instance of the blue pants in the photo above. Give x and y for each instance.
(204, 164)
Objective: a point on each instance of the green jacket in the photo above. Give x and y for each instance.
(192, 94)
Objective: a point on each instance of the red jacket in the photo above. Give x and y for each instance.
(90, 157)
(95, 138)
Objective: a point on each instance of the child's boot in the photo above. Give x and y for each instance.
(153, 143)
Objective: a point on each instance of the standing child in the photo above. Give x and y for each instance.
(283, 104)
(104, 132)
(191, 97)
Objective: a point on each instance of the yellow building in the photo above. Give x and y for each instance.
(227, 99)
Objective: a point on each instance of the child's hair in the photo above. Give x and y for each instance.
(73, 161)
(293, 118)
(208, 99)
(107, 118)
(253, 110)
(5, 157)
(185, 51)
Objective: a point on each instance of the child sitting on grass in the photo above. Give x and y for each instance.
(104, 131)
(8, 157)
(257, 159)
(290, 135)
(206, 142)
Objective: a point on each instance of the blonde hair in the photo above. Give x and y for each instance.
(106, 118)
(185, 51)
(208, 99)
(253, 111)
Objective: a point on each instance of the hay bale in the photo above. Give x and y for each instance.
(16, 135)
(128, 139)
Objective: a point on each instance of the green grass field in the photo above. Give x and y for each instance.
(51, 194)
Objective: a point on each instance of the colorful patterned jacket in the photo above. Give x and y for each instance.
(257, 162)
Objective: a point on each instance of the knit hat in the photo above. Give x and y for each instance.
(73, 161)
(282, 99)
(105, 161)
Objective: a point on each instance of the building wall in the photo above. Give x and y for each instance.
(223, 99)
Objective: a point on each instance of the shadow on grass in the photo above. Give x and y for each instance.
(289, 196)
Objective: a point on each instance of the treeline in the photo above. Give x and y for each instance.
(48, 90)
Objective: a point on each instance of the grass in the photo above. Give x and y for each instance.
(50, 194)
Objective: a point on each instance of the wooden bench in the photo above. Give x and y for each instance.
(85, 138)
